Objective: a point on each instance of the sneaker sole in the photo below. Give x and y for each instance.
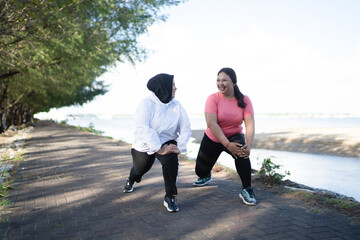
(200, 185)
(129, 191)
(169, 210)
(247, 203)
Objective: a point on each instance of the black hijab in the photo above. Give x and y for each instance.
(161, 85)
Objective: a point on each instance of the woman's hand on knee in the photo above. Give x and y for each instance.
(168, 148)
(245, 153)
(235, 149)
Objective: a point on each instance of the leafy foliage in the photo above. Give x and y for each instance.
(269, 171)
(52, 52)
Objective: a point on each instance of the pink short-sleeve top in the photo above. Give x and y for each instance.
(229, 115)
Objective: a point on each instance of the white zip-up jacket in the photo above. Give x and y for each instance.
(157, 123)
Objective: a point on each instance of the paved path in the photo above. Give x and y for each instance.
(70, 187)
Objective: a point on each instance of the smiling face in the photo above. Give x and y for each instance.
(173, 90)
(225, 85)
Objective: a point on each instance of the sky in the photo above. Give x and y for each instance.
(299, 56)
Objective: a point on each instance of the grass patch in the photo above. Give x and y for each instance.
(17, 157)
(333, 202)
(4, 202)
(320, 202)
(90, 129)
(11, 156)
(6, 185)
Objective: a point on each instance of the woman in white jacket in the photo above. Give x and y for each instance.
(162, 132)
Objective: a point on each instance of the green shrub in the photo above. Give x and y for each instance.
(269, 171)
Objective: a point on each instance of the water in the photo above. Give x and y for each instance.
(120, 128)
(337, 174)
(267, 124)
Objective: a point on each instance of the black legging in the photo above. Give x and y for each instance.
(142, 163)
(210, 151)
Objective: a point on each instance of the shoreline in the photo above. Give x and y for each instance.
(342, 142)
(286, 187)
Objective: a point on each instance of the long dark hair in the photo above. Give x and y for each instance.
(238, 95)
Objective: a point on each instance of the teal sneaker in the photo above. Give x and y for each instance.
(202, 181)
(247, 195)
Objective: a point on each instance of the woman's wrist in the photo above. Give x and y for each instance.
(227, 145)
(161, 151)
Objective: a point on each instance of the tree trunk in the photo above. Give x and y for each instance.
(3, 119)
(3, 101)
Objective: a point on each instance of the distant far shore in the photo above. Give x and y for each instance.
(343, 142)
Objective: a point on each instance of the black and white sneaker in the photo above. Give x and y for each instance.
(170, 204)
(129, 186)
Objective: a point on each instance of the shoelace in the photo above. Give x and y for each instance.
(251, 193)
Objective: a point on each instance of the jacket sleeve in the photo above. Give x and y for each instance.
(185, 130)
(146, 134)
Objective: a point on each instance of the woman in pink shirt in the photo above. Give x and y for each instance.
(225, 111)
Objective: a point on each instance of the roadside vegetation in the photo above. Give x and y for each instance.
(54, 52)
(91, 129)
(7, 175)
(270, 172)
(272, 178)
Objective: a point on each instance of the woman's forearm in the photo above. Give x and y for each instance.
(249, 137)
(250, 130)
